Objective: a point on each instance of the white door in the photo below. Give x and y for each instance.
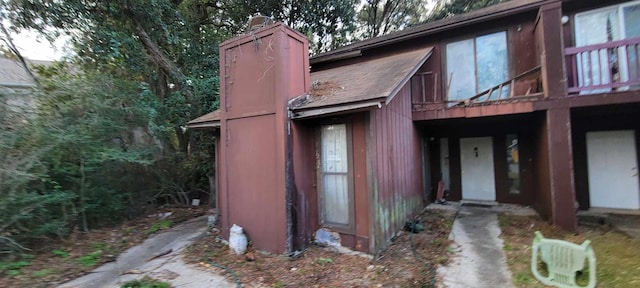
(476, 161)
(613, 169)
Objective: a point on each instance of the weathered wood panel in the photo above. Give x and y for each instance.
(397, 183)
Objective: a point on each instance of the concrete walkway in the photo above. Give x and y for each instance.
(479, 260)
(169, 268)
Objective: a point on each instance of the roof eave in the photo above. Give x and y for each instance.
(211, 124)
(345, 108)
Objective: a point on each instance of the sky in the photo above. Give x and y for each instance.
(38, 48)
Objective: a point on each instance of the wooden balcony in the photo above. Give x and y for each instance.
(602, 68)
(426, 96)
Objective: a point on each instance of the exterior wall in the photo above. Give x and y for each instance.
(261, 72)
(396, 170)
(305, 212)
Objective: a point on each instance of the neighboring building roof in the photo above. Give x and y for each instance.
(492, 12)
(210, 120)
(13, 74)
(359, 85)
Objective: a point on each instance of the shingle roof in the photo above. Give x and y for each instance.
(378, 78)
(207, 120)
(12, 73)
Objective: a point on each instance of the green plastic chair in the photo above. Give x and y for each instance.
(563, 260)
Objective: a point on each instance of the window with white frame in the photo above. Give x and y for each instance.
(475, 65)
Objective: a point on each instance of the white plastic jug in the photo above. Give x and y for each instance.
(237, 240)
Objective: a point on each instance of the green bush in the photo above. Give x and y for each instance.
(145, 282)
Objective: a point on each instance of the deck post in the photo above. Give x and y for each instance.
(561, 181)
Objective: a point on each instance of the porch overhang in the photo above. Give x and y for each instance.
(209, 120)
(359, 86)
(337, 110)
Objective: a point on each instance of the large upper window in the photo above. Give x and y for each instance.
(475, 65)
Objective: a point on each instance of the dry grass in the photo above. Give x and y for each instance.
(618, 255)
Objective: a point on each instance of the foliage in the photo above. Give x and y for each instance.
(161, 225)
(42, 273)
(60, 164)
(380, 17)
(13, 265)
(60, 253)
(90, 259)
(448, 8)
(145, 282)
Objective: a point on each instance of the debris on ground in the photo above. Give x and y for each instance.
(324, 267)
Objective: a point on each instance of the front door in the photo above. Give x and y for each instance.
(613, 169)
(476, 162)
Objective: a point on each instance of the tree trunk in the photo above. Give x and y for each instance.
(161, 60)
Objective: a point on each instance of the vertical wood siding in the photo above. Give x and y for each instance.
(395, 156)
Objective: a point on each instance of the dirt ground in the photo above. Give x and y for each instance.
(58, 261)
(320, 267)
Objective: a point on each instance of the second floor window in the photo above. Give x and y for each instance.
(475, 65)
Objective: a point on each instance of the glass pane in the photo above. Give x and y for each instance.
(631, 21)
(632, 30)
(513, 164)
(597, 27)
(444, 162)
(334, 148)
(491, 59)
(461, 74)
(336, 199)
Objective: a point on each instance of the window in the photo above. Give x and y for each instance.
(513, 164)
(335, 177)
(475, 65)
(605, 66)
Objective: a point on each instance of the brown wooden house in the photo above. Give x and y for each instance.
(533, 102)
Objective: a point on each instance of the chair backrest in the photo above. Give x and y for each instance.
(563, 260)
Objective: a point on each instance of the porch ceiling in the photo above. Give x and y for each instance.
(376, 80)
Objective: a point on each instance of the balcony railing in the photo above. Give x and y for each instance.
(600, 68)
(426, 95)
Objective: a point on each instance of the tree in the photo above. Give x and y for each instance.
(379, 17)
(327, 23)
(448, 8)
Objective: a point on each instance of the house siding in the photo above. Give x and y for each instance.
(395, 153)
